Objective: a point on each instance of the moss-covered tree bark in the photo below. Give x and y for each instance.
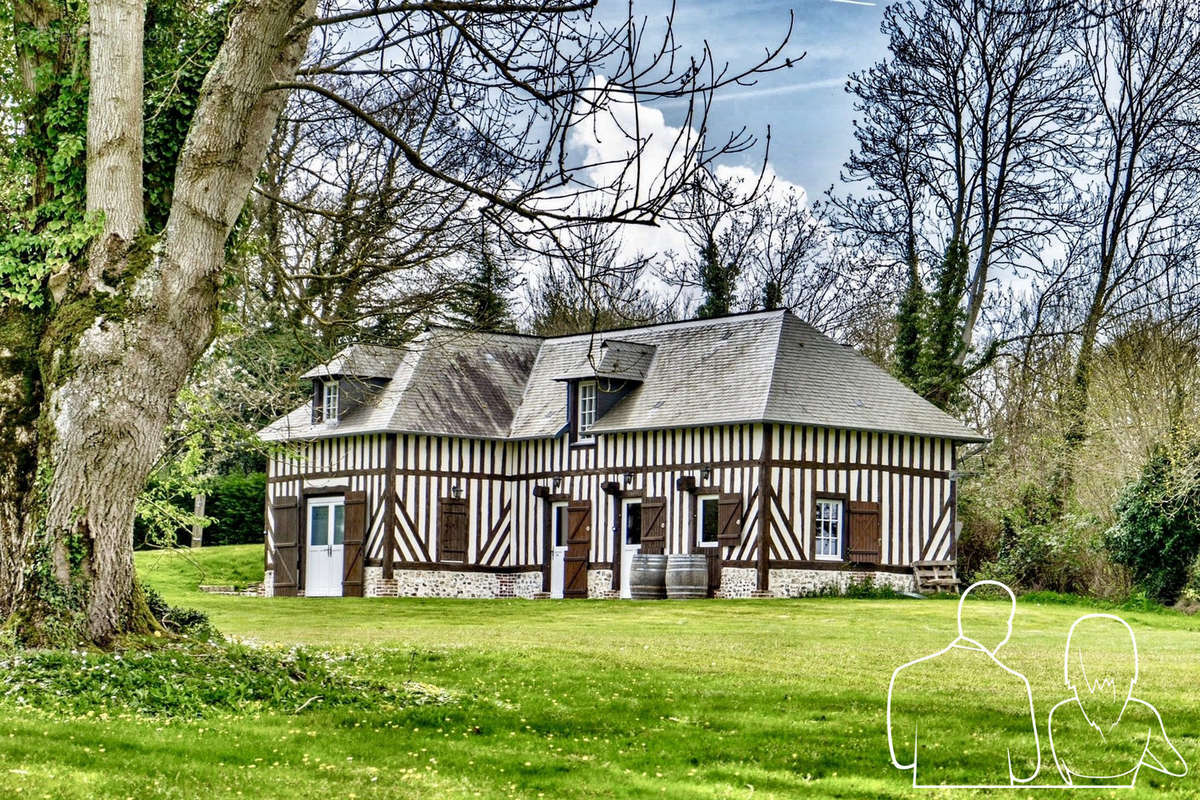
(89, 373)
(110, 267)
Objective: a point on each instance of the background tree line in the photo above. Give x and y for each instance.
(1014, 238)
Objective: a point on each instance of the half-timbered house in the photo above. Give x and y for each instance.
(483, 465)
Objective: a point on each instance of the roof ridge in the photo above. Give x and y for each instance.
(416, 353)
(526, 388)
(696, 322)
(775, 364)
(478, 332)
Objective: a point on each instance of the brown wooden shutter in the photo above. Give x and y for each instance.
(654, 525)
(579, 546)
(729, 520)
(318, 402)
(866, 533)
(452, 529)
(353, 540)
(285, 515)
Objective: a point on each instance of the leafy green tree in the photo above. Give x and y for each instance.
(940, 364)
(910, 321)
(718, 282)
(772, 295)
(483, 301)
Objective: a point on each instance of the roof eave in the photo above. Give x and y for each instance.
(967, 438)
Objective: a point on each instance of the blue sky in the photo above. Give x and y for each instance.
(806, 107)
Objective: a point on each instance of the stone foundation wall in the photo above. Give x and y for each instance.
(446, 583)
(600, 584)
(737, 582)
(804, 582)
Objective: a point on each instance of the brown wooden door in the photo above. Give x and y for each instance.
(579, 545)
(714, 569)
(452, 529)
(654, 525)
(354, 534)
(866, 533)
(285, 514)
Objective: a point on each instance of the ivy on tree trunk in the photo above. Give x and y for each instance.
(98, 358)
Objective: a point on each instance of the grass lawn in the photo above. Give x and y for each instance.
(574, 699)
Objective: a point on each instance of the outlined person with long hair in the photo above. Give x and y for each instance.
(1102, 734)
(960, 717)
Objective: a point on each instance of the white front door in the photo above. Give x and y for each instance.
(558, 548)
(326, 531)
(631, 542)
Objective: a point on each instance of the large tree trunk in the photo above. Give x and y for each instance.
(129, 324)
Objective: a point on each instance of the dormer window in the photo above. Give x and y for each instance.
(329, 401)
(586, 406)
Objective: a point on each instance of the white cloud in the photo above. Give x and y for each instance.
(605, 140)
(768, 91)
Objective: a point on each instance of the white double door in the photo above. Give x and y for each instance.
(558, 548)
(326, 534)
(631, 542)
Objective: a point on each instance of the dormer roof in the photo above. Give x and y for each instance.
(614, 360)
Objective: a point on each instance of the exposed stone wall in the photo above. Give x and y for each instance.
(737, 582)
(446, 583)
(804, 582)
(600, 584)
(523, 584)
(901, 583)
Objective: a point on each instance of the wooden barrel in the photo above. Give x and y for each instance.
(687, 576)
(647, 576)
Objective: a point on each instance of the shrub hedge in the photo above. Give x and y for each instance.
(1157, 534)
(234, 504)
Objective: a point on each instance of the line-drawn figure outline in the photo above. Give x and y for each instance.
(1154, 762)
(1148, 758)
(965, 642)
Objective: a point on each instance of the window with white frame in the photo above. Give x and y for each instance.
(631, 512)
(558, 524)
(828, 524)
(329, 401)
(707, 511)
(587, 408)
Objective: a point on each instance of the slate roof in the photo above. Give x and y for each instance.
(360, 361)
(446, 382)
(760, 367)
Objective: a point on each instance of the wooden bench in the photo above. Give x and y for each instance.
(935, 576)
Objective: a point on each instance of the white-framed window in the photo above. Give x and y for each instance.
(326, 522)
(631, 520)
(558, 526)
(329, 401)
(707, 510)
(587, 408)
(828, 527)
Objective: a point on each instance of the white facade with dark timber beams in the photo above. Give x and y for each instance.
(484, 465)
